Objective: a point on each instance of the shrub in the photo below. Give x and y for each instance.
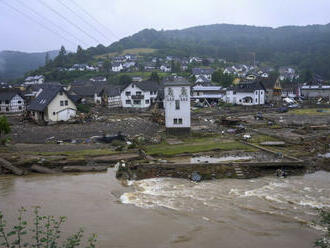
(46, 232)
(83, 108)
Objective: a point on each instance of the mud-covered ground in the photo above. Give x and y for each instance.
(28, 132)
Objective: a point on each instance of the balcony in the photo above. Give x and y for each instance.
(137, 97)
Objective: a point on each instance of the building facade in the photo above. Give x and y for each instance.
(11, 102)
(246, 94)
(177, 107)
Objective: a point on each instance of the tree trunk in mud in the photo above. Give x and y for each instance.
(15, 170)
(43, 170)
(84, 168)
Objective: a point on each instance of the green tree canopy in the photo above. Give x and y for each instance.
(154, 77)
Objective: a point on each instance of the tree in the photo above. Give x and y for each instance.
(175, 67)
(4, 129)
(80, 55)
(155, 77)
(46, 231)
(47, 59)
(125, 79)
(307, 76)
(324, 242)
(61, 59)
(106, 66)
(222, 79)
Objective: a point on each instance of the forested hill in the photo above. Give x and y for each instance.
(14, 64)
(307, 47)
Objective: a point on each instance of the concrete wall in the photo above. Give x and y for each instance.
(171, 113)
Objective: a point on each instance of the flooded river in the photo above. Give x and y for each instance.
(264, 212)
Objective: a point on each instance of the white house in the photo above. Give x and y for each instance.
(177, 106)
(247, 93)
(117, 67)
(207, 92)
(11, 101)
(206, 72)
(38, 79)
(110, 96)
(52, 105)
(139, 94)
(165, 68)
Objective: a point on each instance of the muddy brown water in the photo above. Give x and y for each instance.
(264, 212)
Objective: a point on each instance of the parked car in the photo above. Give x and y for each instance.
(283, 110)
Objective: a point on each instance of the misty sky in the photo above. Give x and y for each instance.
(36, 26)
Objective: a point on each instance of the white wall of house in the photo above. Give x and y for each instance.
(114, 102)
(117, 68)
(177, 107)
(61, 108)
(16, 104)
(130, 97)
(246, 98)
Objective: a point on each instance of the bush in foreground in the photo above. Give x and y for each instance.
(44, 232)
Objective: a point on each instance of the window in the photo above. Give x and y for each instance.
(0, 102)
(177, 104)
(62, 103)
(20, 108)
(132, 85)
(33, 113)
(128, 101)
(256, 92)
(7, 109)
(256, 99)
(137, 102)
(147, 101)
(66, 103)
(6, 102)
(19, 102)
(138, 93)
(175, 121)
(234, 93)
(180, 121)
(53, 113)
(128, 93)
(261, 92)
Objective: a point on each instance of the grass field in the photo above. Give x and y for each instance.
(310, 111)
(194, 145)
(135, 51)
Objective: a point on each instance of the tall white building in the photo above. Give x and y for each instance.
(177, 106)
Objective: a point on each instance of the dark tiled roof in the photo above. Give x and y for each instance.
(44, 98)
(248, 87)
(148, 85)
(177, 82)
(112, 90)
(202, 71)
(8, 94)
(87, 90)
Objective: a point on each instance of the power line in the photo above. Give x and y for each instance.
(91, 25)
(93, 18)
(69, 21)
(53, 23)
(36, 21)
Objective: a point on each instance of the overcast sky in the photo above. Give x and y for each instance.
(40, 25)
